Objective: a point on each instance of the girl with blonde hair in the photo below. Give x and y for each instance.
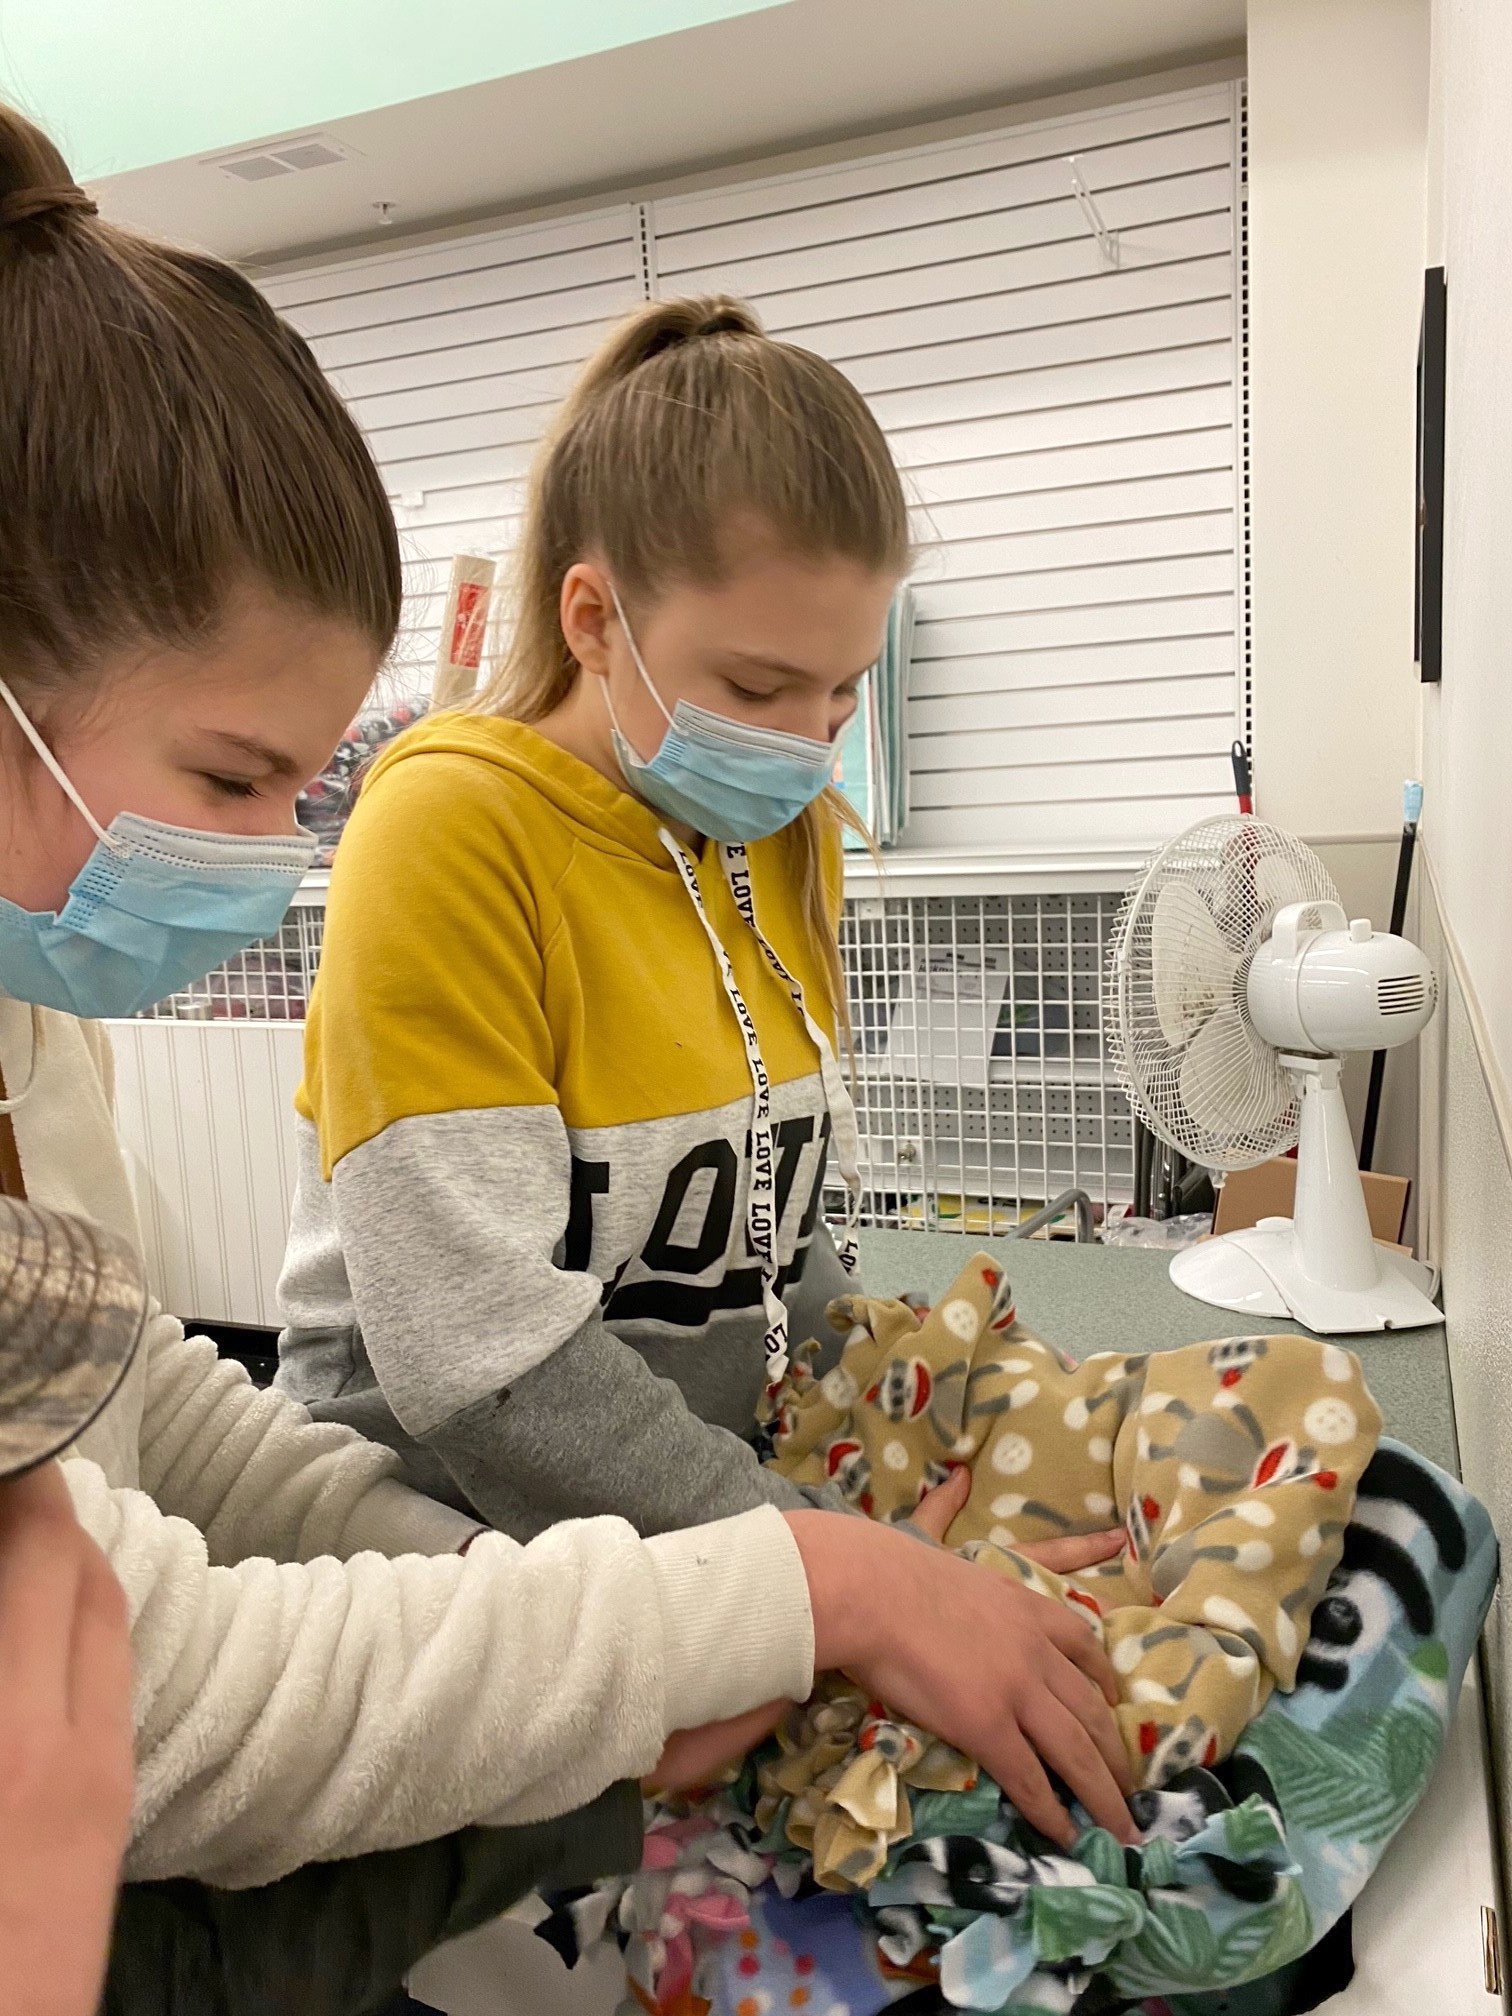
(571, 1074)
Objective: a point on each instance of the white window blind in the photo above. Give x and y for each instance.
(1067, 428)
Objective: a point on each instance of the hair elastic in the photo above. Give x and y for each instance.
(29, 206)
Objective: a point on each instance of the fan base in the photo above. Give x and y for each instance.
(1259, 1273)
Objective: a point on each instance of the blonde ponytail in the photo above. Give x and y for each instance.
(690, 422)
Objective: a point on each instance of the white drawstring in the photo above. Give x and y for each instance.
(14, 1099)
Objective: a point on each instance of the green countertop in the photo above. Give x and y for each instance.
(1112, 1298)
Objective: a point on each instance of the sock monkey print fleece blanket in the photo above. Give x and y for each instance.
(1233, 1467)
(1247, 1477)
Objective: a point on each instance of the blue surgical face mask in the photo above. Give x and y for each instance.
(724, 778)
(152, 909)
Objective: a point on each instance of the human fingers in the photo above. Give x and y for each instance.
(1079, 1550)
(1077, 1642)
(1072, 1687)
(100, 1664)
(938, 1509)
(103, 1734)
(1063, 1743)
(41, 1558)
(1009, 1759)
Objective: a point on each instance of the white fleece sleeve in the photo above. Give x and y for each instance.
(256, 1475)
(298, 1712)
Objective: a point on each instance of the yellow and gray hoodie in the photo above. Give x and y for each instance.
(519, 1251)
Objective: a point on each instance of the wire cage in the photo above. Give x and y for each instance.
(983, 1082)
(269, 981)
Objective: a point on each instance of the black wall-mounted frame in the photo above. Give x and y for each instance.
(1428, 611)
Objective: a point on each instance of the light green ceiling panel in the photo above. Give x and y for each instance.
(124, 84)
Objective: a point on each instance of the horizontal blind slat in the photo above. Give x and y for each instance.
(1088, 295)
(972, 636)
(1074, 465)
(1136, 820)
(1047, 140)
(938, 240)
(1097, 545)
(552, 319)
(494, 286)
(346, 279)
(1107, 420)
(506, 355)
(1083, 588)
(1039, 745)
(1100, 663)
(1119, 501)
(801, 313)
(1017, 187)
(1088, 780)
(1094, 382)
(937, 724)
(1124, 334)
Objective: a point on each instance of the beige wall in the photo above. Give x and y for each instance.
(1338, 105)
(1467, 1180)
(1466, 726)
(1467, 723)
(1338, 98)
(1365, 874)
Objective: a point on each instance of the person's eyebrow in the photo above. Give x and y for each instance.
(758, 661)
(276, 761)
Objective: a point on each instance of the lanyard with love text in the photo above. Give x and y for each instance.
(761, 1201)
(842, 1110)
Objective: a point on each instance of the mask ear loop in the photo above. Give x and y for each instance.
(60, 777)
(640, 663)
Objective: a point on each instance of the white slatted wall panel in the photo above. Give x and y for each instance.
(205, 1113)
(454, 357)
(1068, 432)
(1067, 429)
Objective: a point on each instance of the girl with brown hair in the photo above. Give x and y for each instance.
(199, 577)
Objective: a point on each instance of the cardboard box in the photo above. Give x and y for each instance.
(1270, 1191)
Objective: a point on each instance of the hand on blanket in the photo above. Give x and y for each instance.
(938, 1510)
(1006, 1676)
(696, 1758)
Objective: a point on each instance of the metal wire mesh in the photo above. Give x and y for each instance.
(268, 982)
(983, 1082)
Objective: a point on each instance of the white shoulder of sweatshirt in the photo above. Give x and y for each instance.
(300, 1695)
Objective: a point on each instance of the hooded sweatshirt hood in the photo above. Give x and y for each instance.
(598, 813)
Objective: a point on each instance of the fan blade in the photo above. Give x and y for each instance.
(1193, 968)
(1279, 881)
(1231, 1084)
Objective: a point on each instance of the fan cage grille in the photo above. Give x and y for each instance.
(1180, 955)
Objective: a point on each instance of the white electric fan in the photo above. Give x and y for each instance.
(1236, 985)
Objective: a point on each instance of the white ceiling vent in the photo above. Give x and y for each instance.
(288, 157)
